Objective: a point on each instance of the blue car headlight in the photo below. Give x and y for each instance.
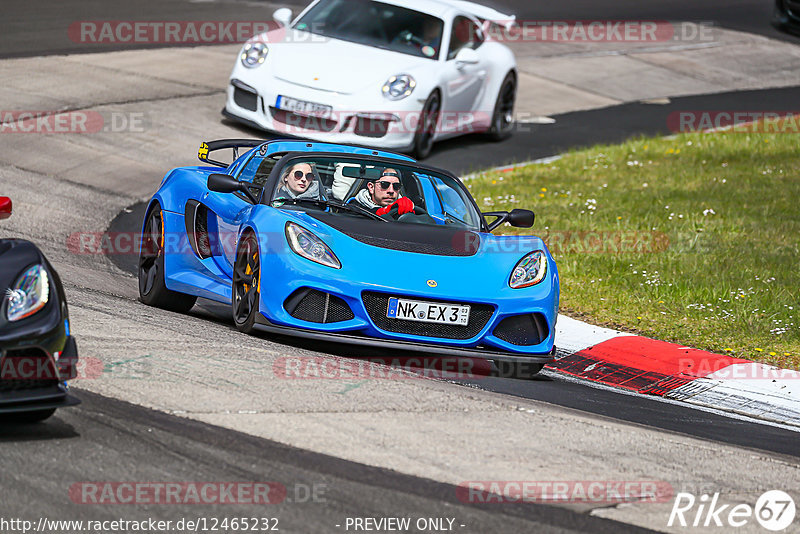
(309, 246)
(529, 271)
(254, 54)
(29, 294)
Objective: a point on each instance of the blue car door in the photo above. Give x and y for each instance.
(226, 211)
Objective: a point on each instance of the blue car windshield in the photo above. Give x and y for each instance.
(376, 24)
(401, 193)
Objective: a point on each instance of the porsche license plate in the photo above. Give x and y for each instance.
(428, 312)
(301, 107)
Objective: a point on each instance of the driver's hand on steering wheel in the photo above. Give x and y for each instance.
(404, 205)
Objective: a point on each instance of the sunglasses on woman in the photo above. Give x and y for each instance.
(299, 174)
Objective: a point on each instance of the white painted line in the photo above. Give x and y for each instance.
(656, 101)
(536, 120)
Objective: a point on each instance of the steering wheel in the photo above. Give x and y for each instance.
(394, 212)
(407, 37)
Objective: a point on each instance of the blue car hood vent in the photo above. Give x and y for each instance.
(405, 237)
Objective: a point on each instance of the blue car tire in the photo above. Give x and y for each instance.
(152, 286)
(246, 285)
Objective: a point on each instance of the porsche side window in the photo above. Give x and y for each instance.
(464, 34)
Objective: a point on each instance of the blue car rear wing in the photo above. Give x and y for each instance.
(207, 147)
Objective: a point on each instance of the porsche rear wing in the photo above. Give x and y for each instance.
(207, 147)
(485, 13)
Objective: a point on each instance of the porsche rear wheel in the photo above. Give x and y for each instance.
(152, 286)
(246, 288)
(503, 116)
(426, 127)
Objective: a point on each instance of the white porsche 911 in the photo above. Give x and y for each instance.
(396, 74)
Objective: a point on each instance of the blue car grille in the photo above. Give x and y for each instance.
(378, 303)
(523, 330)
(317, 307)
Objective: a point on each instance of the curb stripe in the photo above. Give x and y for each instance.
(659, 356)
(584, 366)
(675, 372)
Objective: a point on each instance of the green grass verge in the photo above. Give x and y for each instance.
(692, 239)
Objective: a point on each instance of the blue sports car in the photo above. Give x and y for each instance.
(341, 243)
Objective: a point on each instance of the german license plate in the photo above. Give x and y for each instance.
(301, 107)
(428, 312)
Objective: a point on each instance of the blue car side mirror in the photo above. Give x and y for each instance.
(225, 183)
(517, 218)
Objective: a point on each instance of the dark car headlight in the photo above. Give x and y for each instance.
(29, 294)
(529, 271)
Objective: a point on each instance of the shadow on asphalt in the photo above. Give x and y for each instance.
(458, 370)
(52, 428)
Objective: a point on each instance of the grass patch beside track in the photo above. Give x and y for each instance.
(692, 239)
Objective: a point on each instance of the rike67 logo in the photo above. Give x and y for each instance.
(774, 510)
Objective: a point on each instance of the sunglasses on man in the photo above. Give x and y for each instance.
(299, 174)
(385, 184)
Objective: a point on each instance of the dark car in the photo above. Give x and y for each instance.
(787, 16)
(37, 352)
